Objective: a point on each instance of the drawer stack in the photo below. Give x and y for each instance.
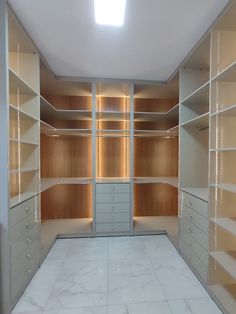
(24, 238)
(112, 208)
(194, 233)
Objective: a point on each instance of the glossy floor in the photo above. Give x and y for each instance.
(119, 275)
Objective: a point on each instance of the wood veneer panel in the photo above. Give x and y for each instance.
(160, 125)
(67, 201)
(155, 200)
(69, 124)
(112, 125)
(112, 157)
(112, 104)
(70, 102)
(66, 156)
(154, 105)
(155, 157)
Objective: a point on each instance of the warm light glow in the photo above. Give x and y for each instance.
(110, 12)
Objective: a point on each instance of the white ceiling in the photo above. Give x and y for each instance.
(156, 36)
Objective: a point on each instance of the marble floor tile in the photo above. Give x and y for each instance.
(204, 305)
(79, 284)
(159, 246)
(126, 248)
(176, 278)
(131, 281)
(161, 307)
(35, 296)
(82, 310)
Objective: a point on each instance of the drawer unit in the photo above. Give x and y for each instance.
(19, 212)
(188, 228)
(198, 205)
(193, 259)
(112, 198)
(113, 207)
(198, 220)
(112, 227)
(19, 265)
(22, 227)
(113, 217)
(102, 188)
(23, 243)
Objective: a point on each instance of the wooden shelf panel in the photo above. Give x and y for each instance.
(112, 116)
(229, 224)
(227, 261)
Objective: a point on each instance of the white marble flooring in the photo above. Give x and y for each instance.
(119, 275)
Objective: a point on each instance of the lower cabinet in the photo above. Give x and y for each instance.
(25, 244)
(194, 233)
(113, 208)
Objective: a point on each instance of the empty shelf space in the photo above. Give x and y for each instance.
(228, 74)
(228, 111)
(202, 193)
(112, 133)
(197, 94)
(47, 183)
(162, 133)
(226, 260)
(18, 85)
(172, 114)
(200, 122)
(167, 180)
(229, 224)
(46, 128)
(49, 111)
(226, 187)
(112, 116)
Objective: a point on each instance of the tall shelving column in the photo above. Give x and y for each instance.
(23, 157)
(222, 257)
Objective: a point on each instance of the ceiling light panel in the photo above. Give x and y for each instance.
(110, 12)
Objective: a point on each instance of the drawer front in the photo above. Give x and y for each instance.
(102, 188)
(112, 227)
(187, 228)
(112, 198)
(21, 245)
(113, 217)
(198, 220)
(195, 203)
(22, 227)
(194, 261)
(21, 211)
(21, 264)
(18, 285)
(113, 208)
(198, 250)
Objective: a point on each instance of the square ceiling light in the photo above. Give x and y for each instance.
(110, 12)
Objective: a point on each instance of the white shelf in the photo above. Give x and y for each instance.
(18, 84)
(227, 261)
(21, 198)
(112, 116)
(229, 224)
(230, 149)
(22, 170)
(49, 111)
(28, 142)
(47, 183)
(202, 193)
(172, 132)
(197, 93)
(201, 122)
(48, 129)
(146, 116)
(112, 180)
(228, 74)
(226, 187)
(173, 181)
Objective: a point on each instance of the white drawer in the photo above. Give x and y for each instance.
(22, 244)
(113, 207)
(112, 198)
(188, 228)
(112, 227)
(198, 250)
(112, 188)
(113, 217)
(194, 261)
(18, 285)
(198, 220)
(31, 253)
(22, 227)
(22, 210)
(195, 203)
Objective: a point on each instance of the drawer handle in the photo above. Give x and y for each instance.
(190, 216)
(28, 271)
(28, 255)
(28, 240)
(190, 203)
(27, 226)
(190, 230)
(190, 257)
(27, 210)
(113, 188)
